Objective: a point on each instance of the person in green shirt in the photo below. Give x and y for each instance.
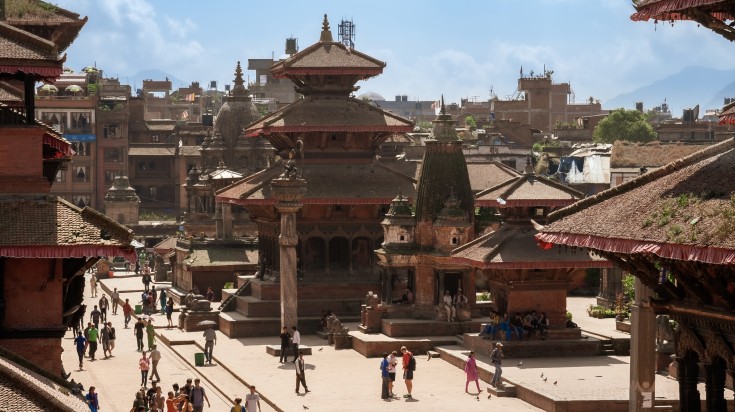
(93, 334)
(151, 332)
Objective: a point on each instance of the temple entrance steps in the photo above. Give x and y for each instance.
(609, 345)
(535, 348)
(254, 309)
(375, 344)
(398, 328)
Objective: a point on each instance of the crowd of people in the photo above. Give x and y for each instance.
(388, 373)
(522, 327)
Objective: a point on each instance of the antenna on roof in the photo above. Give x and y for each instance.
(346, 33)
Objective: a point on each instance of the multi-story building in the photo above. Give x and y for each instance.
(112, 126)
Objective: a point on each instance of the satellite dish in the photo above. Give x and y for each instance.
(71, 311)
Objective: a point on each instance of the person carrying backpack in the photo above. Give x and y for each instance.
(409, 366)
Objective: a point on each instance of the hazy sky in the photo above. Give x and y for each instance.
(458, 48)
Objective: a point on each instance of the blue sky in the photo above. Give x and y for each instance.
(456, 48)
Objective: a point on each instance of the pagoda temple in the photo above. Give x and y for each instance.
(334, 140)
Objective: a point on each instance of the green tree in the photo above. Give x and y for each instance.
(470, 122)
(622, 124)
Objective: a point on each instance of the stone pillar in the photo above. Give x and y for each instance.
(218, 221)
(227, 220)
(288, 194)
(642, 351)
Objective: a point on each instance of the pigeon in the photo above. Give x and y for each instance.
(542, 374)
(478, 398)
(555, 382)
(520, 363)
(305, 407)
(320, 349)
(546, 378)
(489, 395)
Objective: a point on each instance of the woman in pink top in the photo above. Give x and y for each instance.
(470, 368)
(144, 364)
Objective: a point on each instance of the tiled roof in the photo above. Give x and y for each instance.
(487, 175)
(22, 390)
(151, 151)
(190, 151)
(20, 45)
(41, 14)
(681, 9)
(681, 211)
(218, 256)
(528, 190)
(514, 247)
(165, 246)
(627, 154)
(329, 115)
(333, 184)
(51, 227)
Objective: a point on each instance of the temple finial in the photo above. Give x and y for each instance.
(239, 88)
(326, 36)
(443, 109)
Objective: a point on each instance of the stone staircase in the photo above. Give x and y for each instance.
(254, 308)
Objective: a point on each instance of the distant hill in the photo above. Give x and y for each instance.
(136, 80)
(692, 86)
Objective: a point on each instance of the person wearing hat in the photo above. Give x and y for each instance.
(496, 358)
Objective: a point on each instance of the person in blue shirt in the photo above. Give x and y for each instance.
(80, 342)
(92, 400)
(386, 377)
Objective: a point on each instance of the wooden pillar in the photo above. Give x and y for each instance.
(688, 373)
(715, 386)
(288, 194)
(29, 95)
(642, 351)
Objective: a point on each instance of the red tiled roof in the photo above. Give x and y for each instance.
(328, 58)
(681, 211)
(486, 175)
(59, 24)
(514, 247)
(327, 184)
(50, 227)
(678, 9)
(528, 190)
(728, 114)
(21, 51)
(329, 115)
(165, 246)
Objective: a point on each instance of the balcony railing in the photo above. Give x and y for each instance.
(13, 116)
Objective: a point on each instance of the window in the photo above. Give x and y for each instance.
(142, 166)
(80, 175)
(111, 131)
(57, 120)
(454, 240)
(113, 154)
(80, 120)
(81, 148)
(61, 176)
(110, 177)
(154, 138)
(81, 200)
(402, 238)
(153, 192)
(539, 211)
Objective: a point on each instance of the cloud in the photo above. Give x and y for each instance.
(180, 28)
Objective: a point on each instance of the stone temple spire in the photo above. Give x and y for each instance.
(326, 36)
(443, 129)
(239, 88)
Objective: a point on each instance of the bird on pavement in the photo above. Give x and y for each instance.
(542, 374)
(305, 407)
(320, 349)
(546, 378)
(555, 382)
(489, 395)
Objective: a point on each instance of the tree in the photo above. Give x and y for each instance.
(470, 122)
(622, 124)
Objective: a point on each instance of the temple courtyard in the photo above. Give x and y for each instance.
(342, 380)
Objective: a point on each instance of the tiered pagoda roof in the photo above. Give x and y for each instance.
(24, 53)
(46, 20)
(709, 13)
(682, 211)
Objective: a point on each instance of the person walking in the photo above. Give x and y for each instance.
(144, 364)
(146, 277)
(93, 285)
(157, 401)
(496, 358)
(162, 299)
(169, 311)
(95, 316)
(104, 304)
(93, 335)
(252, 400)
(138, 332)
(155, 357)
(127, 312)
(470, 369)
(105, 338)
(237, 405)
(295, 341)
(150, 333)
(385, 377)
(92, 400)
(80, 342)
(409, 365)
(197, 396)
(285, 338)
(115, 297)
(301, 374)
(112, 337)
(210, 339)
(86, 336)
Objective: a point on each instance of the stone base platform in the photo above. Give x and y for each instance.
(237, 325)
(398, 328)
(275, 350)
(372, 345)
(535, 348)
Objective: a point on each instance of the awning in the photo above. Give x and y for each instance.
(59, 144)
(673, 9)
(60, 252)
(42, 72)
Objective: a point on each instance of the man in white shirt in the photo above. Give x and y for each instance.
(449, 306)
(155, 356)
(251, 400)
(295, 341)
(115, 295)
(210, 338)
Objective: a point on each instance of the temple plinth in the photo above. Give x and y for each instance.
(288, 194)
